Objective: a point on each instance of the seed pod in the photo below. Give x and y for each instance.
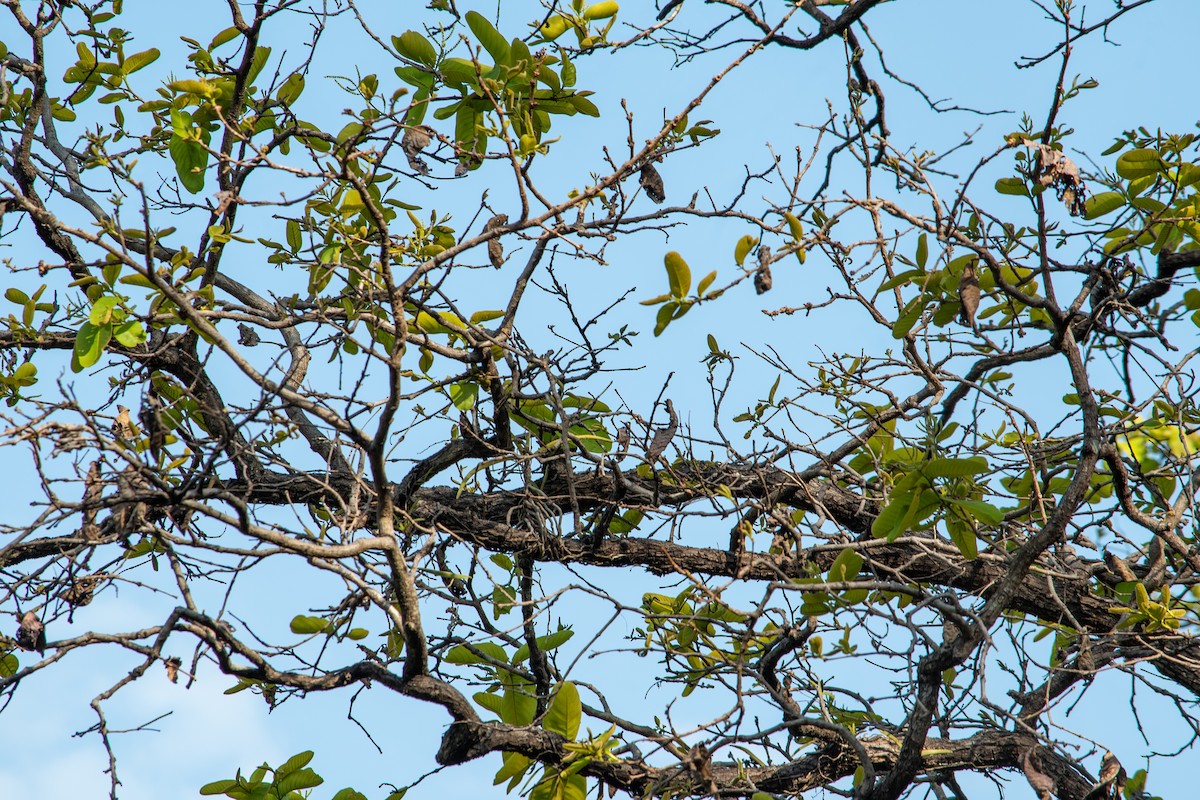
(652, 182)
(663, 436)
(762, 278)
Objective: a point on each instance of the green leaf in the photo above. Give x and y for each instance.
(664, 317)
(1013, 186)
(545, 643)
(1139, 163)
(463, 395)
(459, 654)
(289, 92)
(299, 780)
(518, 705)
(305, 625)
(130, 333)
(190, 159)
(1104, 203)
(565, 711)
(743, 247)
(679, 276)
(964, 539)
(514, 767)
(846, 566)
(908, 276)
(294, 238)
(89, 345)
(103, 310)
(922, 250)
(705, 282)
(890, 522)
(909, 318)
(294, 763)
(460, 71)
(955, 467)
(489, 37)
(138, 60)
(9, 664)
(602, 10)
(415, 47)
(983, 512)
(218, 787)
(351, 794)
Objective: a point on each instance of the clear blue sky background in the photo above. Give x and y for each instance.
(958, 50)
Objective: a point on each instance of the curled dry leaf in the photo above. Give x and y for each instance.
(31, 633)
(652, 182)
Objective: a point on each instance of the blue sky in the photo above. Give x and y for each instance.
(962, 51)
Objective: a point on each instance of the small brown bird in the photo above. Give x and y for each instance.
(623, 435)
(31, 634)
(652, 182)
(762, 278)
(494, 248)
(93, 488)
(247, 336)
(152, 423)
(122, 426)
(1042, 783)
(1112, 774)
(968, 294)
(415, 140)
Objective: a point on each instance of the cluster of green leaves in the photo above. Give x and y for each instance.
(288, 781)
(937, 299)
(580, 20)
(582, 416)
(927, 487)
(512, 697)
(698, 638)
(514, 97)
(563, 715)
(1155, 189)
(102, 64)
(677, 302)
(111, 318)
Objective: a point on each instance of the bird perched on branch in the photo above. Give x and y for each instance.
(416, 139)
(968, 294)
(1111, 782)
(494, 248)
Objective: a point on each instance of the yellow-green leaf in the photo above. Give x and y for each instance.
(743, 248)
(679, 276)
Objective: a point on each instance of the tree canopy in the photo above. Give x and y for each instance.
(375, 349)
